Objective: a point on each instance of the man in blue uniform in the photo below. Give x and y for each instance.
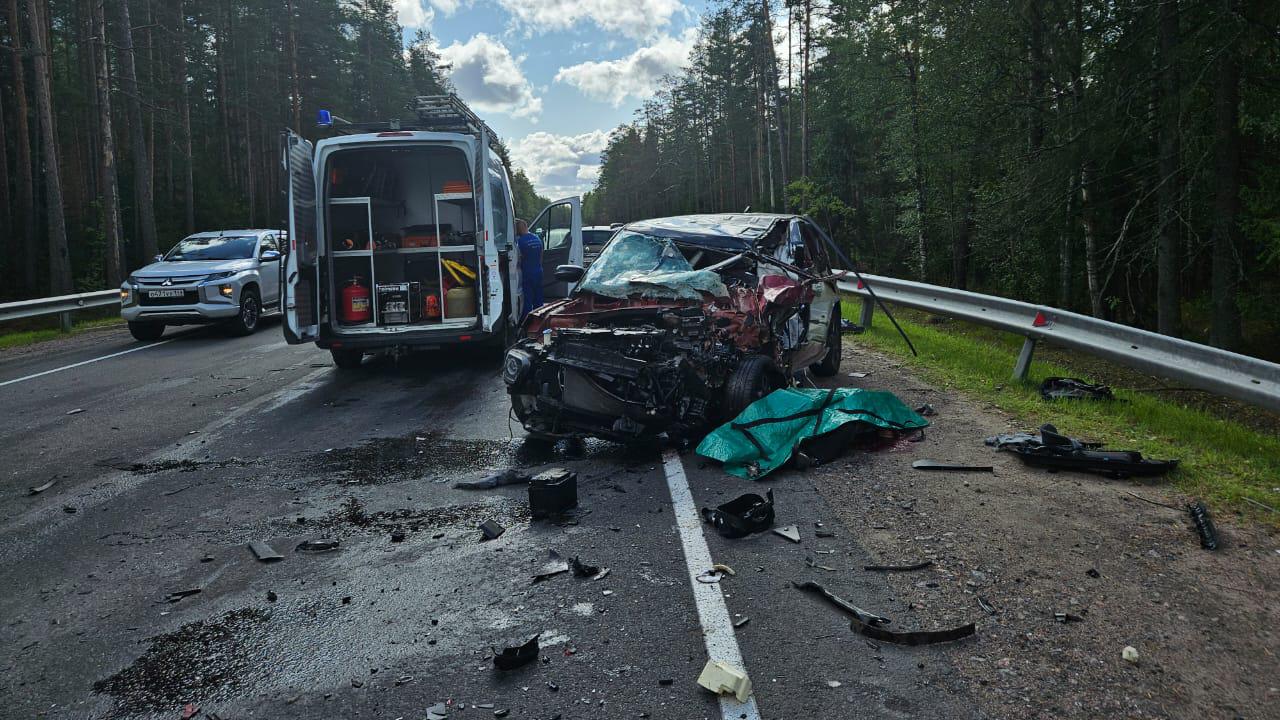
(530, 267)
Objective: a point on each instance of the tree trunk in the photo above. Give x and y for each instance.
(9, 243)
(184, 115)
(963, 238)
(777, 100)
(1088, 222)
(921, 249)
(108, 184)
(1225, 328)
(143, 179)
(1065, 236)
(1036, 81)
(59, 258)
(295, 96)
(1168, 250)
(24, 226)
(804, 89)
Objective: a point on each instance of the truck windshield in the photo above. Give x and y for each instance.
(636, 264)
(225, 247)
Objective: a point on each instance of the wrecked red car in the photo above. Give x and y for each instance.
(678, 325)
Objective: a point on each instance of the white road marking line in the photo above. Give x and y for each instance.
(717, 630)
(86, 362)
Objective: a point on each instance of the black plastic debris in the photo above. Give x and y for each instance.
(271, 596)
(555, 566)
(586, 570)
(849, 326)
(1060, 388)
(1054, 451)
(1204, 525)
(926, 410)
(491, 529)
(177, 595)
(514, 657)
(513, 476)
(870, 624)
(898, 568)
(553, 492)
(264, 552)
(742, 516)
(935, 465)
(1093, 573)
(317, 546)
(398, 535)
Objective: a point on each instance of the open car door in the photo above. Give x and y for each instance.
(559, 226)
(299, 275)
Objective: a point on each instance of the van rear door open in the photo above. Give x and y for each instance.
(299, 276)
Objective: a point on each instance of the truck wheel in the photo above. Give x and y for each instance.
(755, 377)
(146, 331)
(347, 359)
(250, 312)
(830, 364)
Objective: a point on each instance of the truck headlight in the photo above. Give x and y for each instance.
(516, 367)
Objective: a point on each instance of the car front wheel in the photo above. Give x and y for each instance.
(250, 312)
(146, 331)
(755, 377)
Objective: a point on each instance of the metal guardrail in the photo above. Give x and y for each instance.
(62, 306)
(1225, 373)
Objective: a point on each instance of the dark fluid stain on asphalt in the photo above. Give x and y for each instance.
(197, 662)
(464, 517)
(430, 455)
(187, 465)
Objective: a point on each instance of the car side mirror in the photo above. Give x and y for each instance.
(159, 258)
(570, 273)
(269, 256)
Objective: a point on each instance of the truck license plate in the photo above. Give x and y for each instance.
(164, 293)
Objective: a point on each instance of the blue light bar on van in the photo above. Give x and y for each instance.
(324, 118)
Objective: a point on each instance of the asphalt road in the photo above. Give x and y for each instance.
(169, 460)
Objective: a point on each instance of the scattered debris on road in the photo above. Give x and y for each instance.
(935, 465)
(926, 410)
(722, 678)
(869, 624)
(742, 516)
(741, 622)
(810, 563)
(271, 596)
(317, 546)
(439, 711)
(177, 595)
(725, 569)
(1204, 525)
(987, 607)
(1066, 617)
(513, 657)
(264, 552)
(1060, 388)
(189, 711)
(37, 489)
(1130, 654)
(899, 568)
(77, 411)
(513, 476)
(555, 566)
(1055, 451)
(553, 493)
(709, 577)
(790, 532)
(491, 529)
(583, 569)
(398, 535)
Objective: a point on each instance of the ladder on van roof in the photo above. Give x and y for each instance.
(447, 113)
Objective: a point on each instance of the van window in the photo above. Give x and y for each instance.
(501, 212)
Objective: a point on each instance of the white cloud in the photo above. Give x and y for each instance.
(414, 13)
(448, 7)
(633, 18)
(489, 78)
(560, 165)
(635, 75)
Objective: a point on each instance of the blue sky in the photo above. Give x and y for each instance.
(554, 77)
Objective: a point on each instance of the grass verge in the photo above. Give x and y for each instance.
(1222, 461)
(31, 337)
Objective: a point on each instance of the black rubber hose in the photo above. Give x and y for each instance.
(849, 263)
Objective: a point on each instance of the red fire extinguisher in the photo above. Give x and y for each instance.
(431, 307)
(355, 303)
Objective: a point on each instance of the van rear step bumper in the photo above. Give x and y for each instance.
(414, 342)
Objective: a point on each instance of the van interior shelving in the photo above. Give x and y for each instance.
(402, 224)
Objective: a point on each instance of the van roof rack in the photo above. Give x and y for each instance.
(447, 113)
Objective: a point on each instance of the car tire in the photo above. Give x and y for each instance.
(755, 377)
(146, 331)
(250, 313)
(830, 363)
(347, 359)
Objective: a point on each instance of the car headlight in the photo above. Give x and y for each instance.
(132, 280)
(221, 275)
(516, 367)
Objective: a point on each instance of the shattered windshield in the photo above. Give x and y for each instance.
(636, 264)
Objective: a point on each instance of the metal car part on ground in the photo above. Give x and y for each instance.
(1054, 451)
(765, 435)
(1060, 388)
(675, 327)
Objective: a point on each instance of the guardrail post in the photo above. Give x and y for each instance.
(1024, 359)
(64, 321)
(868, 308)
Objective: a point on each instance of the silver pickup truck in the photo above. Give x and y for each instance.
(227, 277)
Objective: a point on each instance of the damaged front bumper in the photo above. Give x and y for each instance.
(623, 384)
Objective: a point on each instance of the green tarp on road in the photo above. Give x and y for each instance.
(780, 421)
